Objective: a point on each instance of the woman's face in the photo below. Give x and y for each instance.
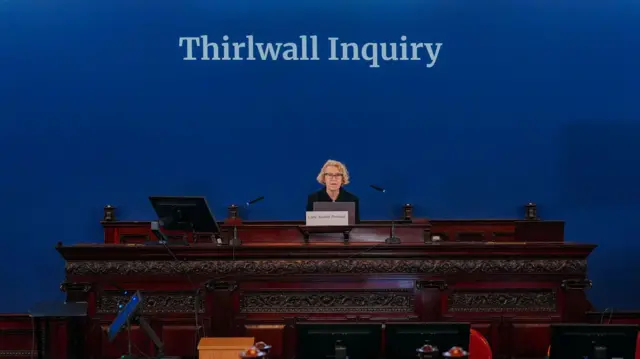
(332, 178)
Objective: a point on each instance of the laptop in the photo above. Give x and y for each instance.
(349, 207)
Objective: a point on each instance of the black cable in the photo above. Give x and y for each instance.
(33, 336)
(196, 303)
(367, 249)
(602, 315)
(199, 322)
(144, 355)
(610, 310)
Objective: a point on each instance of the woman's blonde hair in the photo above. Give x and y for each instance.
(341, 167)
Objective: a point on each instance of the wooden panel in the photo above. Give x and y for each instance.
(179, 339)
(470, 237)
(140, 344)
(509, 278)
(345, 301)
(133, 238)
(530, 340)
(503, 236)
(500, 301)
(268, 289)
(539, 231)
(414, 231)
(16, 342)
(18, 337)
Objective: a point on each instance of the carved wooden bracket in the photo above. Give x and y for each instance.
(576, 284)
(221, 286)
(308, 231)
(76, 292)
(290, 321)
(68, 287)
(431, 284)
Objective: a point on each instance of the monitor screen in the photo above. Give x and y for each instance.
(402, 339)
(125, 314)
(185, 214)
(349, 207)
(318, 340)
(593, 341)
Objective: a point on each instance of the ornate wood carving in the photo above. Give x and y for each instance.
(154, 303)
(327, 301)
(17, 353)
(330, 266)
(507, 301)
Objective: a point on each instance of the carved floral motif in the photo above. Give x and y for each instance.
(324, 302)
(154, 303)
(329, 266)
(473, 301)
(17, 353)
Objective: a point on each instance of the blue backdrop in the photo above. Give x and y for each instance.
(528, 101)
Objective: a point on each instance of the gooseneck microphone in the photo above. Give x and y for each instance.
(392, 239)
(255, 200)
(235, 241)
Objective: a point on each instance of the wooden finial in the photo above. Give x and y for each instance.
(233, 212)
(531, 211)
(408, 211)
(109, 213)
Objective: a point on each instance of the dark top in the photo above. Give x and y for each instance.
(343, 196)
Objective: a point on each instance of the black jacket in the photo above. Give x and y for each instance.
(343, 196)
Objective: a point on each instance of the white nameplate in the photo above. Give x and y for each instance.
(327, 218)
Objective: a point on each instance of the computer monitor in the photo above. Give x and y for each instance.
(125, 315)
(349, 207)
(402, 339)
(593, 341)
(318, 340)
(185, 213)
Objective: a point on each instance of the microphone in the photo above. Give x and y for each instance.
(255, 200)
(392, 239)
(235, 241)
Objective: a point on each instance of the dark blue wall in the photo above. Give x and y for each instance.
(529, 101)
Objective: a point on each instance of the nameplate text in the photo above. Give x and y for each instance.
(327, 218)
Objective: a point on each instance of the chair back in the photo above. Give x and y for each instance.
(479, 347)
